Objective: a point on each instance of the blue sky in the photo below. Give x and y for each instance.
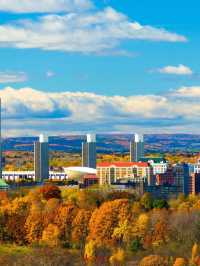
(109, 55)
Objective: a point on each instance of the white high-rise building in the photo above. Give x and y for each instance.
(136, 148)
(89, 151)
(41, 158)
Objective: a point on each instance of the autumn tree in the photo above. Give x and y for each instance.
(80, 226)
(15, 214)
(105, 219)
(50, 191)
(64, 220)
(35, 222)
(147, 201)
(50, 235)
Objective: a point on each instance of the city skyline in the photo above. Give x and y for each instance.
(99, 66)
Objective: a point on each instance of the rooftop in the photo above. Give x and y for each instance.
(155, 160)
(122, 164)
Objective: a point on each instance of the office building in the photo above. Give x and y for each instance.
(41, 158)
(166, 178)
(181, 177)
(197, 167)
(194, 183)
(136, 148)
(89, 151)
(109, 173)
(159, 164)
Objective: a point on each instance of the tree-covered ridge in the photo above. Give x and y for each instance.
(102, 226)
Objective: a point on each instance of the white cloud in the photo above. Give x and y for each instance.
(89, 32)
(176, 70)
(190, 92)
(12, 77)
(44, 6)
(28, 110)
(50, 74)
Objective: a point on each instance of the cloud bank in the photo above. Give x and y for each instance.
(27, 111)
(44, 6)
(87, 32)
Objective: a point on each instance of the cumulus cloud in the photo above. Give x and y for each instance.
(88, 32)
(190, 92)
(44, 6)
(12, 77)
(27, 110)
(176, 70)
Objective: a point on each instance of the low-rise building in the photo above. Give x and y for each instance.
(113, 172)
(159, 164)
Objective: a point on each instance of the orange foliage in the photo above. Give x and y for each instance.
(106, 218)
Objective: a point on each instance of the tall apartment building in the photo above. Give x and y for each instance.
(136, 148)
(109, 173)
(89, 151)
(41, 158)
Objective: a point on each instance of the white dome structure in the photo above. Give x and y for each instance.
(78, 173)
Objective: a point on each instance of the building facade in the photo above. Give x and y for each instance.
(194, 183)
(89, 151)
(41, 159)
(159, 165)
(109, 173)
(181, 177)
(136, 148)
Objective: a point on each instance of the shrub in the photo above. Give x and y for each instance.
(118, 258)
(50, 191)
(180, 262)
(154, 260)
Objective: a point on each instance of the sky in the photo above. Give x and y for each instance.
(78, 66)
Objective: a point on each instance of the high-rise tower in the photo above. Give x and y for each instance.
(89, 151)
(41, 158)
(136, 148)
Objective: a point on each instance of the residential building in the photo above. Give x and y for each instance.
(41, 158)
(89, 151)
(136, 148)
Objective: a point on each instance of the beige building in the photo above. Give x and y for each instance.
(123, 171)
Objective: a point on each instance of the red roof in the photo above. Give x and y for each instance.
(122, 164)
(90, 176)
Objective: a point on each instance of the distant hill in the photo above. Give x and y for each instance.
(111, 143)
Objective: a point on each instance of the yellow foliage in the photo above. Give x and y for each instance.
(140, 227)
(90, 250)
(50, 235)
(118, 258)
